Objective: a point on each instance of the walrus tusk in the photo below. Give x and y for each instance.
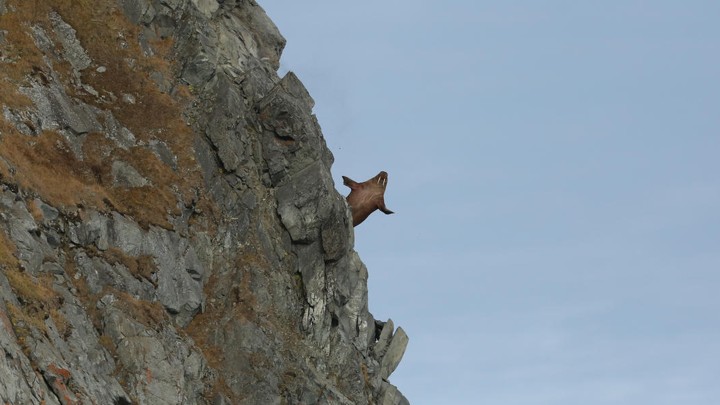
(366, 197)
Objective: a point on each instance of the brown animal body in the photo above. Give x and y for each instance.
(366, 197)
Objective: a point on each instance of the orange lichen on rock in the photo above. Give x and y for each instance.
(58, 378)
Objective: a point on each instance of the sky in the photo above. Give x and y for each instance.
(553, 168)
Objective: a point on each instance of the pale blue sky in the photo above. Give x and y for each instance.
(554, 172)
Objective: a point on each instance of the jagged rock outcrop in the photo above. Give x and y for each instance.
(169, 229)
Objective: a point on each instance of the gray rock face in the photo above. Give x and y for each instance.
(394, 354)
(126, 175)
(244, 288)
(162, 366)
(73, 52)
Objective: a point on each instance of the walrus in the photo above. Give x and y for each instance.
(366, 197)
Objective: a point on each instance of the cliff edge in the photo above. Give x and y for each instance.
(169, 228)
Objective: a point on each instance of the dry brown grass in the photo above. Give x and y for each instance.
(35, 211)
(19, 47)
(32, 290)
(4, 169)
(9, 94)
(7, 252)
(23, 325)
(83, 291)
(107, 342)
(38, 303)
(366, 379)
(24, 320)
(112, 42)
(240, 305)
(142, 267)
(46, 165)
(215, 316)
(151, 204)
(200, 326)
(150, 314)
(64, 328)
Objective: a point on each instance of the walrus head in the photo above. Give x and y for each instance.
(366, 197)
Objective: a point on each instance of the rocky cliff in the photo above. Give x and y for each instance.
(169, 228)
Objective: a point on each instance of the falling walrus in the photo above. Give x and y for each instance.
(366, 197)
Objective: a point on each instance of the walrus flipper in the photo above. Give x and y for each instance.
(350, 183)
(383, 208)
